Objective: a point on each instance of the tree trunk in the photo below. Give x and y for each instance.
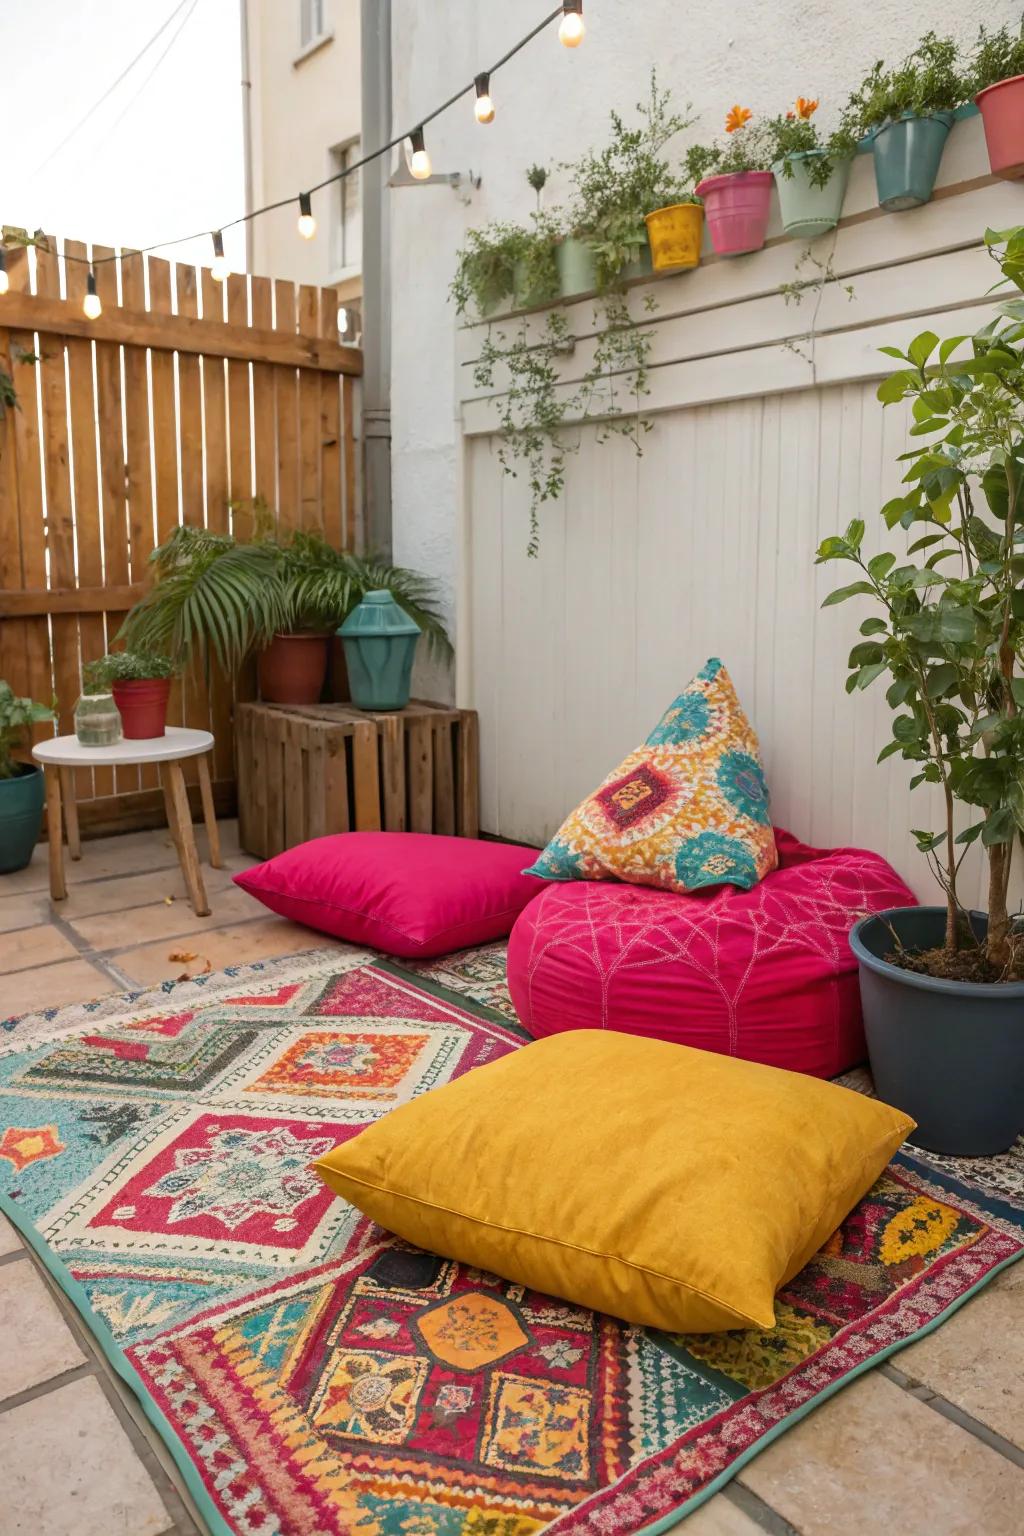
(997, 945)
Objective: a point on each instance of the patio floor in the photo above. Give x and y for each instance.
(931, 1446)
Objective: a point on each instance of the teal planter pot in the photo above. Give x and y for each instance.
(577, 269)
(907, 154)
(21, 817)
(380, 643)
(808, 210)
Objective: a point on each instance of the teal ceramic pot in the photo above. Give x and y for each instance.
(21, 817)
(380, 644)
(808, 210)
(907, 154)
(577, 269)
(642, 267)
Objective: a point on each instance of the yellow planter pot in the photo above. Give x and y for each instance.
(675, 236)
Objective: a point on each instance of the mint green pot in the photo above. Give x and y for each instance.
(808, 210)
(577, 269)
(907, 154)
(642, 267)
(380, 643)
(21, 817)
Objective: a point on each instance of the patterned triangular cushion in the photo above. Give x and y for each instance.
(687, 809)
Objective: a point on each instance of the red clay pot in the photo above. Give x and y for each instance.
(1002, 112)
(142, 705)
(292, 669)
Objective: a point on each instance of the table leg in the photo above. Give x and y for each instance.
(209, 814)
(67, 790)
(58, 888)
(176, 800)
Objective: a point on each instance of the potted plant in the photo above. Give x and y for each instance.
(908, 112)
(140, 681)
(809, 176)
(943, 986)
(507, 265)
(997, 84)
(735, 183)
(21, 784)
(216, 597)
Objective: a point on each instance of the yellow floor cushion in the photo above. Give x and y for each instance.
(667, 1186)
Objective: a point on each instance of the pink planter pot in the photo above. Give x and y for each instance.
(1002, 111)
(737, 209)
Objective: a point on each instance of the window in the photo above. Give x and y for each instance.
(348, 247)
(312, 21)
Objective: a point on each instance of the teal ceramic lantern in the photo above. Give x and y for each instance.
(380, 642)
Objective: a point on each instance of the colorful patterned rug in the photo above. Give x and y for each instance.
(314, 1376)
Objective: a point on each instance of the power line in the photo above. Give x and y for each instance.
(170, 44)
(111, 88)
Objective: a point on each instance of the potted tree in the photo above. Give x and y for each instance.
(943, 986)
(809, 175)
(997, 84)
(908, 112)
(140, 681)
(735, 183)
(21, 784)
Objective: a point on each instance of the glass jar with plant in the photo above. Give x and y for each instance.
(907, 110)
(140, 681)
(21, 783)
(810, 175)
(943, 987)
(996, 81)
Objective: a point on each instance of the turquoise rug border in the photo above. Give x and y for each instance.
(204, 1502)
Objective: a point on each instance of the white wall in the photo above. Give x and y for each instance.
(705, 545)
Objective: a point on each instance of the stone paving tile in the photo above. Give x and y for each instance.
(10, 1242)
(67, 1468)
(29, 1315)
(239, 944)
(73, 981)
(158, 921)
(33, 947)
(976, 1359)
(718, 1517)
(876, 1459)
(22, 909)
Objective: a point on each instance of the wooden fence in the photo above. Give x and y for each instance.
(184, 401)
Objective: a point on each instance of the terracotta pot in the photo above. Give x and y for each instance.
(142, 705)
(1002, 112)
(292, 669)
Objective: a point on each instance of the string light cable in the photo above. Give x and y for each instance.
(568, 13)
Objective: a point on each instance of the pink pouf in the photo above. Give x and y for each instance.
(765, 974)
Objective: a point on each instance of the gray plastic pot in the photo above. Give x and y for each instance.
(949, 1053)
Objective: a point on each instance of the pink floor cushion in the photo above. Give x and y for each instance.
(765, 974)
(406, 893)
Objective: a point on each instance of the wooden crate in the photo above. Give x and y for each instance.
(307, 770)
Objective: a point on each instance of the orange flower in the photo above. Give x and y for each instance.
(736, 117)
(806, 107)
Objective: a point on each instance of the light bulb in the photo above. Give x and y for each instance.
(571, 29)
(219, 268)
(484, 107)
(91, 305)
(342, 321)
(419, 162)
(307, 223)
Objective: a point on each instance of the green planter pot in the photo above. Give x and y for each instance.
(808, 210)
(380, 643)
(907, 154)
(523, 295)
(21, 817)
(577, 269)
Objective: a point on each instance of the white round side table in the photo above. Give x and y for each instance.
(65, 753)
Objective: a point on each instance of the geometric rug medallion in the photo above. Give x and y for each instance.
(309, 1372)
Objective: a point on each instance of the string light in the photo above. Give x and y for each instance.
(5, 281)
(307, 223)
(219, 268)
(419, 163)
(484, 107)
(571, 29)
(92, 308)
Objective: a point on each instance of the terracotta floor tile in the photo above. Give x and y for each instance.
(67, 1468)
(51, 986)
(159, 921)
(241, 944)
(28, 1314)
(33, 947)
(873, 1458)
(22, 909)
(976, 1359)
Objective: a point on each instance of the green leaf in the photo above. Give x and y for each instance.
(894, 352)
(855, 589)
(956, 625)
(970, 834)
(899, 692)
(940, 679)
(925, 543)
(922, 347)
(949, 346)
(855, 533)
(868, 674)
(999, 827)
(881, 565)
(865, 653)
(873, 627)
(888, 750)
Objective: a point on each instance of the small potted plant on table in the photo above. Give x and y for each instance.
(735, 183)
(810, 176)
(997, 84)
(908, 112)
(140, 682)
(21, 784)
(943, 986)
